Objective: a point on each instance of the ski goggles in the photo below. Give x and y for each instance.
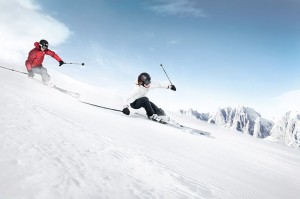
(145, 80)
(44, 47)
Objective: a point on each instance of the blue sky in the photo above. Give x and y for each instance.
(217, 53)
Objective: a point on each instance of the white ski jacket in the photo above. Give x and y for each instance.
(140, 91)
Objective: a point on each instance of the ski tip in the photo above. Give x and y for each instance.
(75, 95)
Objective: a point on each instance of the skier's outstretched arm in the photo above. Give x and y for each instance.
(162, 85)
(55, 56)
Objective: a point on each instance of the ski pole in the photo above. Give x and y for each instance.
(112, 109)
(76, 63)
(166, 73)
(14, 70)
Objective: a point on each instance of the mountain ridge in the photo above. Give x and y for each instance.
(246, 120)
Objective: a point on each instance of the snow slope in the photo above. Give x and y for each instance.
(52, 146)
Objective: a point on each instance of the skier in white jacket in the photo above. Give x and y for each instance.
(137, 99)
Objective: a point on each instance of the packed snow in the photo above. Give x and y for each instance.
(53, 146)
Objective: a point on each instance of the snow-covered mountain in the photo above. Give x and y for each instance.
(200, 116)
(243, 119)
(287, 129)
(262, 127)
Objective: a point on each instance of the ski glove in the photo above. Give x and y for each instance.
(172, 87)
(61, 63)
(126, 111)
(30, 74)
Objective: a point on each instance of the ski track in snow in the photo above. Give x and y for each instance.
(76, 171)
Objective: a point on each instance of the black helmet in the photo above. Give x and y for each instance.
(44, 44)
(144, 78)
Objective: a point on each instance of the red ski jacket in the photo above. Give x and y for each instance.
(36, 56)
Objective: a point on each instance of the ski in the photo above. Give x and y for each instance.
(190, 130)
(172, 123)
(73, 94)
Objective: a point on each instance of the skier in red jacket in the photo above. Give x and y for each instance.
(35, 60)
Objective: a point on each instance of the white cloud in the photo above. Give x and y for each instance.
(22, 23)
(174, 42)
(177, 7)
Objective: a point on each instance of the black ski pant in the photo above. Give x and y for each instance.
(144, 102)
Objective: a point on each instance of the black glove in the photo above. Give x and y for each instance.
(126, 111)
(172, 87)
(30, 74)
(61, 63)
